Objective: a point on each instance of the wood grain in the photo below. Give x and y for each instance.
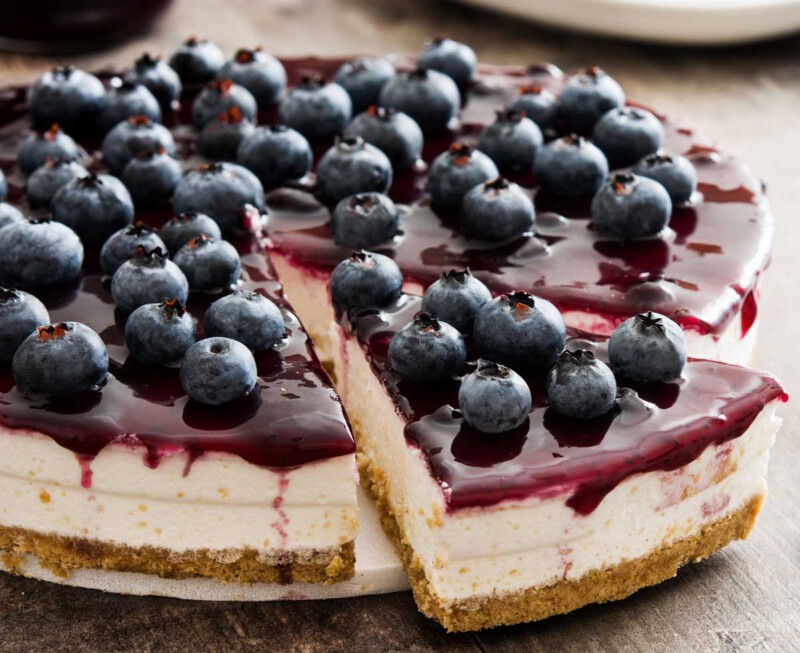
(746, 598)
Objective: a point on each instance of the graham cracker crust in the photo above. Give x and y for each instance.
(536, 603)
(62, 555)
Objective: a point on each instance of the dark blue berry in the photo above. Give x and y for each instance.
(673, 171)
(631, 207)
(197, 61)
(218, 370)
(275, 155)
(364, 220)
(429, 97)
(134, 135)
(318, 110)
(209, 265)
(126, 100)
(260, 73)
(520, 330)
(626, 135)
(46, 181)
(179, 230)
(247, 317)
(511, 141)
(151, 177)
(581, 386)
(456, 299)
(570, 167)
(9, 213)
(363, 78)
(3, 186)
(455, 172)
(125, 243)
(148, 278)
(40, 146)
(20, 314)
(427, 350)
(537, 103)
(220, 139)
(397, 135)
(496, 210)
(159, 78)
(39, 252)
(70, 97)
(353, 166)
(647, 347)
(494, 398)
(454, 59)
(220, 96)
(586, 98)
(364, 280)
(159, 334)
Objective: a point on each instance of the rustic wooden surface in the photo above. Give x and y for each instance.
(746, 598)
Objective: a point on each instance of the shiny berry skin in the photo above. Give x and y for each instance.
(317, 109)
(363, 78)
(456, 299)
(628, 207)
(132, 136)
(39, 252)
(151, 178)
(20, 314)
(456, 171)
(197, 61)
(581, 386)
(159, 334)
(220, 96)
(571, 167)
(275, 155)
(586, 98)
(180, 229)
(67, 96)
(218, 370)
(494, 398)
(647, 347)
(429, 97)
(537, 103)
(353, 166)
(247, 317)
(124, 244)
(158, 77)
(673, 171)
(220, 139)
(496, 210)
(364, 280)
(46, 181)
(148, 278)
(456, 60)
(9, 213)
(209, 265)
(396, 134)
(38, 147)
(364, 220)
(127, 100)
(427, 350)
(627, 135)
(511, 141)
(260, 73)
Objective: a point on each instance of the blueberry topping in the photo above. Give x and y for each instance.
(60, 359)
(94, 206)
(630, 207)
(9, 213)
(46, 181)
(581, 386)
(40, 146)
(626, 135)
(125, 243)
(456, 298)
(586, 98)
(275, 155)
(511, 141)
(197, 61)
(647, 347)
(148, 278)
(217, 370)
(353, 166)
(247, 317)
(364, 280)
(132, 136)
(455, 172)
(70, 97)
(158, 334)
(364, 220)
(537, 103)
(427, 350)
(179, 230)
(454, 59)
(494, 398)
(209, 265)
(431, 98)
(20, 314)
(571, 167)
(496, 210)
(397, 135)
(127, 100)
(219, 96)
(260, 73)
(673, 171)
(39, 252)
(220, 139)
(159, 78)
(520, 330)
(317, 109)
(151, 178)
(363, 78)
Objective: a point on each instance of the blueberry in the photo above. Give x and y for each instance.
(159, 78)
(363, 78)
(318, 110)
(581, 386)
(45, 182)
(220, 139)
(221, 191)
(179, 230)
(217, 370)
(260, 73)
(456, 298)
(364, 280)
(247, 317)
(397, 135)
(40, 146)
(364, 220)
(570, 167)
(673, 171)
(493, 398)
(431, 98)
(70, 97)
(630, 207)
(537, 103)
(3, 186)
(60, 359)
(511, 141)
(125, 243)
(20, 314)
(151, 177)
(197, 61)
(454, 59)
(126, 100)
(39, 252)
(626, 135)
(647, 347)
(427, 350)
(134, 135)
(275, 155)
(454, 172)
(158, 334)
(209, 265)
(520, 330)
(586, 98)
(496, 210)
(353, 166)
(9, 213)
(94, 206)
(148, 278)
(220, 96)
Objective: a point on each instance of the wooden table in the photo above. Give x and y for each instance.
(746, 598)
